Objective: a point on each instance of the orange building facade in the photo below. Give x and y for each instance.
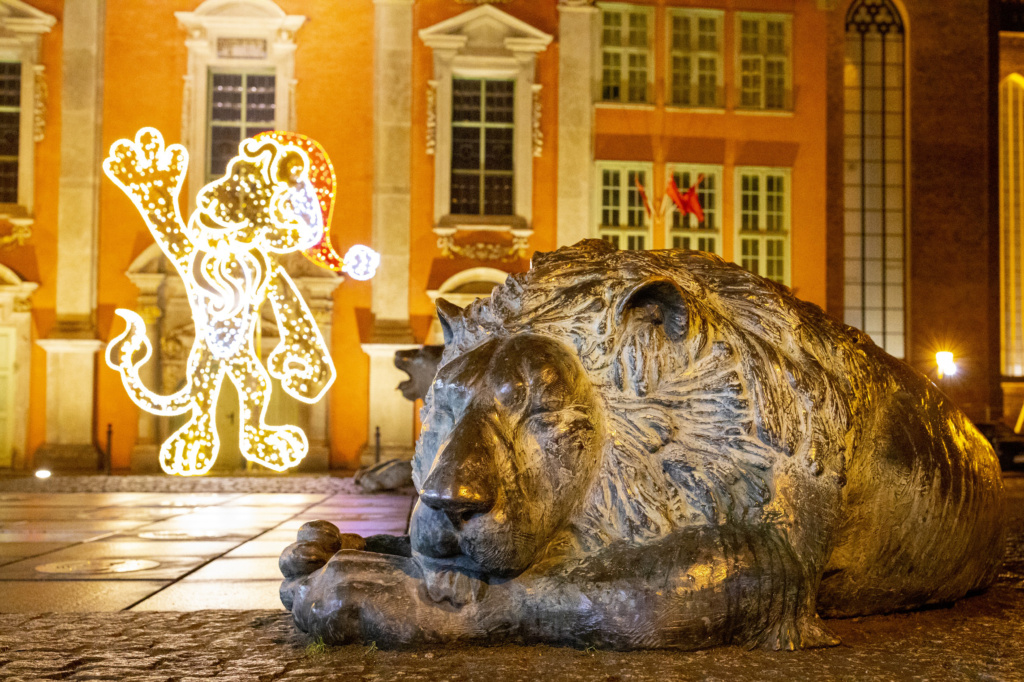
(465, 136)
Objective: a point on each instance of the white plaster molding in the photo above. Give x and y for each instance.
(216, 20)
(485, 42)
(538, 134)
(16, 314)
(431, 117)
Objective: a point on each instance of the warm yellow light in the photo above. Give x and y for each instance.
(43, 473)
(263, 206)
(945, 363)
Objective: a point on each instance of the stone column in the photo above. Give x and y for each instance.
(578, 36)
(72, 346)
(144, 459)
(392, 140)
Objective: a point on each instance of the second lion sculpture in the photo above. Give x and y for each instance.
(659, 449)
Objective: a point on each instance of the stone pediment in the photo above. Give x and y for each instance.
(21, 17)
(483, 30)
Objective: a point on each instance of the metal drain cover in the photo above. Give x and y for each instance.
(96, 566)
(182, 535)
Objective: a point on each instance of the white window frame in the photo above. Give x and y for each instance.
(624, 10)
(484, 42)
(762, 236)
(21, 30)
(695, 54)
(763, 18)
(211, 28)
(622, 232)
(695, 169)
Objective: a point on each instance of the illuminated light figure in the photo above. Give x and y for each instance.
(265, 204)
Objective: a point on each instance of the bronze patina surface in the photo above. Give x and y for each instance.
(660, 449)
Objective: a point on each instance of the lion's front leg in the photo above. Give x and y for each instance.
(192, 449)
(275, 447)
(341, 593)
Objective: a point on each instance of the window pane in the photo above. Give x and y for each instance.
(498, 195)
(226, 97)
(466, 100)
(465, 194)
(638, 30)
(223, 147)
(611, 76)
(500, 101)
(10, 84)
(9, 182)
(638, 78)
(9, 128)
(466, 149)
(259, 99)
(498, 149)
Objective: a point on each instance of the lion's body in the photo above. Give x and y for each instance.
(661, 449)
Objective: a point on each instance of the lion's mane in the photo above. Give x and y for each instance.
(695, 426)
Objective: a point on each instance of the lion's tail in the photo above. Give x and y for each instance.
(130, 351)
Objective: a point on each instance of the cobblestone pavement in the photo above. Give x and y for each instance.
(981, 638)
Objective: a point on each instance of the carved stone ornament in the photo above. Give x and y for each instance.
(486, 251)
(39, 106)
(431, 117)
(21, 232)
(538, 135)
(638, 449)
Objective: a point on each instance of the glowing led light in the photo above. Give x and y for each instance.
(266, 204)
(944, 360)
(43, 473)
(360, 262)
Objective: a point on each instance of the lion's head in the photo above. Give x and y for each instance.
(610, 396)
(265, 199)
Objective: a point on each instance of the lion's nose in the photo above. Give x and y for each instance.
(463, 483)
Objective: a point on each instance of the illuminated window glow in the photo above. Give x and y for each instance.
(274, 198)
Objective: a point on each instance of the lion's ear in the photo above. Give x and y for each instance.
(450, 316)
(662, 302)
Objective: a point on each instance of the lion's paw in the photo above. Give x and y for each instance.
(275, 447)
(135, 163)
(806, 632)
(192, 449)
(317, 542)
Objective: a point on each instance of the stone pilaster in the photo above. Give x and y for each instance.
(392, 125)
(392, 138)
(578, 36)
(72, 346)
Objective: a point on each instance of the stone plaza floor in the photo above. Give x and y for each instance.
(203, 602)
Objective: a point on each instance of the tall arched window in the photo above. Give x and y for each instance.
(874, 172)
(1011, 218)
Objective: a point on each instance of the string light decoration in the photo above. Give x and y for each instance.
(360, 262)
(273, 199)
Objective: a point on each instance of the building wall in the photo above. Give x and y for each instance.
(952, 294)
(953, 240)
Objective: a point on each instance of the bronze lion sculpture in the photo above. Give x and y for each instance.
(659, 449)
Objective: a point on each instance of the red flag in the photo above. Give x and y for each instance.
(687, 202)
(643, 194)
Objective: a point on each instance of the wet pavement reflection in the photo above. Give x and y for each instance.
(64, 552)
